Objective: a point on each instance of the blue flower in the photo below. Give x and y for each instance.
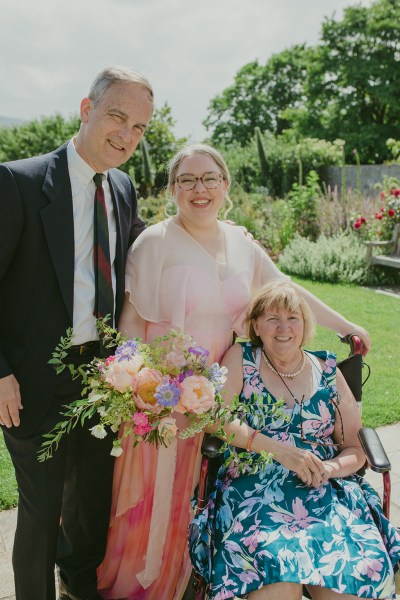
(126, 350)
(167, 394)
(217, 376)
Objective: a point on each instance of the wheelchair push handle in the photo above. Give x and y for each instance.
(353, 341)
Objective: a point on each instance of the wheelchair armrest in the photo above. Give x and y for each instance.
(373, 449)
(211, 446)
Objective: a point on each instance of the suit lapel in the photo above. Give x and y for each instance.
(58, 223)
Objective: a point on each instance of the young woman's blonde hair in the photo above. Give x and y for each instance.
(280, 294)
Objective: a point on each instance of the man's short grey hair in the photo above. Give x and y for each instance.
(116, 74)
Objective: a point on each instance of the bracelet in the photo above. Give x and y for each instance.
(251, 438)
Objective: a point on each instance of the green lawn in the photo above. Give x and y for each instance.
(378, 313)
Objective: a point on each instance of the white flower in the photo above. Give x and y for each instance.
(116, 451)
(98, 431)
(102, 411)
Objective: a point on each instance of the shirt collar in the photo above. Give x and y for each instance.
(78, 167)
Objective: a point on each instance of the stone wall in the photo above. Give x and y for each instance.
(370, 175)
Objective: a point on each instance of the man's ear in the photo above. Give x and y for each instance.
(85, 108)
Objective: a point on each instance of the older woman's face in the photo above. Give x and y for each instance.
(199, 206)
(280, 330)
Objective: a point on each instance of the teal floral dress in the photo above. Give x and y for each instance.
(268, 527)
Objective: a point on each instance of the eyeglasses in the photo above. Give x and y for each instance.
(315, 442)
(210, 181)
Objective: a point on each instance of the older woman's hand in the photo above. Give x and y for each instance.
(308, 467)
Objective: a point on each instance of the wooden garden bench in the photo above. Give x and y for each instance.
(386, 260)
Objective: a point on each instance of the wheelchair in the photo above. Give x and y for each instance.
(376, 458)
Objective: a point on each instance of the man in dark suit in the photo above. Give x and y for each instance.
(47, 284)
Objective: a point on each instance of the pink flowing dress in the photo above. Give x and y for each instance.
(173, 283)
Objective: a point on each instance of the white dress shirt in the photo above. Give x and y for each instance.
(83, 192)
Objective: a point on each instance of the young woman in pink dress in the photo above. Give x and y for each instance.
(195, 273)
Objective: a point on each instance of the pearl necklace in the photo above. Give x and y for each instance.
(288, 375)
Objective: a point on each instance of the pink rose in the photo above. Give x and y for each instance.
(141, 422)
(167, 427)
(119, 374)
(357, 225)
(144, 387)
(198, 395)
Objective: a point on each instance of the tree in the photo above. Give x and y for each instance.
(352, 87)
(258, 98)
(36, 137)
(347, 87)
(161, 144)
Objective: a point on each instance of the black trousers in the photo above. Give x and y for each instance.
(64, 505)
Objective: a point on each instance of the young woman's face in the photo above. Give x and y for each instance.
(200, 205)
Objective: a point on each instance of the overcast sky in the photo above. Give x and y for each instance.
(189, 49)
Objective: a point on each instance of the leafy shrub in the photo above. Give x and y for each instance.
(340, 258)
(287, 160)
(302, 200)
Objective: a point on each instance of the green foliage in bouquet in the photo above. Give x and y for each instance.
(142, 389)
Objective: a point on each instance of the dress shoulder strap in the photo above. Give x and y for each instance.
(248, 356)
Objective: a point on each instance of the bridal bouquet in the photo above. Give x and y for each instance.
(141, 386)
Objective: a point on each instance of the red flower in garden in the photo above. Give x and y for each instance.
(378, 215)
(391, 212)
(362, 220)
(357, 224)
(396, 192)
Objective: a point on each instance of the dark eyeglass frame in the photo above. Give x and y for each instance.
(197, 179)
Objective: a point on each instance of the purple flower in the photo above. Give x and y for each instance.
(185, 374)
(126, 350)
(199, 351)
(167, 394)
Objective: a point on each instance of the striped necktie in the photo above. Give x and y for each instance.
(104, 299)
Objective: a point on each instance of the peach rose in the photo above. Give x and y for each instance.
(144, 387)
(119, 374)
(198, 395)
(167, 427)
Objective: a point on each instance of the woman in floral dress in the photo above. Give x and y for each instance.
(307, 518)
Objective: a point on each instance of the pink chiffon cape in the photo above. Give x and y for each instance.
(173, 283)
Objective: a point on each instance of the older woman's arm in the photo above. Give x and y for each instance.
(302, 462)
(351, 457)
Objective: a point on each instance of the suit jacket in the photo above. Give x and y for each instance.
(37, 270)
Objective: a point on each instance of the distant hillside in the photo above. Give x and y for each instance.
(10, 121)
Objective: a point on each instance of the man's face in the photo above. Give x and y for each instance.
(111, 130)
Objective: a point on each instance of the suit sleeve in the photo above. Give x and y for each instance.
(137, 224)
(11, 223)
